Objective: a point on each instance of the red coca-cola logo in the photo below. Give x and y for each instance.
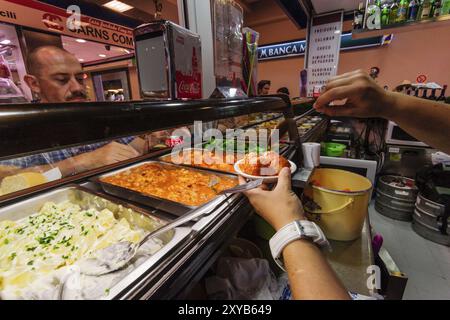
(190, 88)
(52, 21)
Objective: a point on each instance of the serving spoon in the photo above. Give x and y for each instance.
(116, 256)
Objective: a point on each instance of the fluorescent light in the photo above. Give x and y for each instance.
(81, 60)
(126, 51)
(118, 6)
(5, 42)
(102, 55)
(80, 40)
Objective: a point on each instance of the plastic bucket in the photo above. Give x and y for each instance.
(343, 198)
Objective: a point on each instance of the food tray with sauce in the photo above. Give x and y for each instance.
(171, 188)
(44, 277)
(196, 157)
(192, 157)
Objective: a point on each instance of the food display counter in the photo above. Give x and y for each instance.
(190, 250)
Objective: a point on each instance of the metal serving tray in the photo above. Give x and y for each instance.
(137, 218)
(166, 159)
(166, 205)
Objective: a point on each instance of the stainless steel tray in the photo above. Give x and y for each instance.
(165, 160)
(166, 205)
(137, 217)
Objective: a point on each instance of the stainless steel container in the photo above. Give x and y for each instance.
(166, 205)
(169, 61)
(432, 234)
(396, 202)
(428, 221)
(137, 218)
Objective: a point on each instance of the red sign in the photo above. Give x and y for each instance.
(38, 15)
(421, 78)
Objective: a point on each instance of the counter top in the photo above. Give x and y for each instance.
(350, 260)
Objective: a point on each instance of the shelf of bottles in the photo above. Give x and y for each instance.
(379, 17)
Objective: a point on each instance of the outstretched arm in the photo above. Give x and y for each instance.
(310, 275)
(428, 121)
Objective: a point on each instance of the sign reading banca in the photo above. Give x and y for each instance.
(284, 50)
(298, 47)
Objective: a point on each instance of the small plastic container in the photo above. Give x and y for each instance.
(332, 149)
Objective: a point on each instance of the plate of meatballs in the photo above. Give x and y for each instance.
(266, 166)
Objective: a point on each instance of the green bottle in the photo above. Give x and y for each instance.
(445, 7)
(402, 11)
(394, 12)
(385, 15)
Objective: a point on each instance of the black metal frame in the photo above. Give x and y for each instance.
(32, 128)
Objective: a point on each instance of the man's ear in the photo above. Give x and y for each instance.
(33, 83)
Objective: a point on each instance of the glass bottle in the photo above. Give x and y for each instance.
(436, 9)
(424, 12)
(385, 15)
(413, 9)
(393, 13)
(445, 7)
(359, 17)
(402, 11)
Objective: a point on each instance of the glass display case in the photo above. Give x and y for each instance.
(35, 140)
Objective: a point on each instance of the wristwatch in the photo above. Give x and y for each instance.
(298, 229)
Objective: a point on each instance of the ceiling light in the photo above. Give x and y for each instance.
(80, 41)
(81, 60)
(102, 55)
(118, 6)
(5, 42)
(126, 51)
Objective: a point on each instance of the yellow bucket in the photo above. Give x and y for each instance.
(343, 198)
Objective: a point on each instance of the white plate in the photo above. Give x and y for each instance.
(267, 179)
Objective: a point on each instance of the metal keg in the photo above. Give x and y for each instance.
(428, 220)
(396, 197)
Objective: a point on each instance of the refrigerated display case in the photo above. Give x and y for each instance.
(192, 249)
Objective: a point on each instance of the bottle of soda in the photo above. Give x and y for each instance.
(424, 12)
(394, 12)
(436, 8)
(385, 15)
(413, 9)
(402, 11)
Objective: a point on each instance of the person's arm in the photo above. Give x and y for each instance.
(108, 154)
(310, 275)
(426, 120)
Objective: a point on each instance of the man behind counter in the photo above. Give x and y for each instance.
(56, 76)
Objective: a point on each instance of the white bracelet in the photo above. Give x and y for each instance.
(298, 229)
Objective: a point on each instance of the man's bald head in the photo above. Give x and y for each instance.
(55, 75)
(37, 58)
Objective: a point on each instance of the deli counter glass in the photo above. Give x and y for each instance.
(76, 178)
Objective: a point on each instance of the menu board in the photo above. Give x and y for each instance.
(324, 44)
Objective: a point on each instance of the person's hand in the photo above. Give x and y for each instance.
(108, 154)
(278, 207)
(364, 98)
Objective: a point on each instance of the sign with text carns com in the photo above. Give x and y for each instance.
(42, 16)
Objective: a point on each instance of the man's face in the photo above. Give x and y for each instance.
(265, 90)
(60, 79)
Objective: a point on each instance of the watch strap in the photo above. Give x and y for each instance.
(299, 229)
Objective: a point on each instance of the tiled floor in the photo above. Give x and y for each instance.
(426, 263)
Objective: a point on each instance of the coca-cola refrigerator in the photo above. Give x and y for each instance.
(168, 59)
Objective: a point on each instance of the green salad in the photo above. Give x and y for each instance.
(234, 146)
